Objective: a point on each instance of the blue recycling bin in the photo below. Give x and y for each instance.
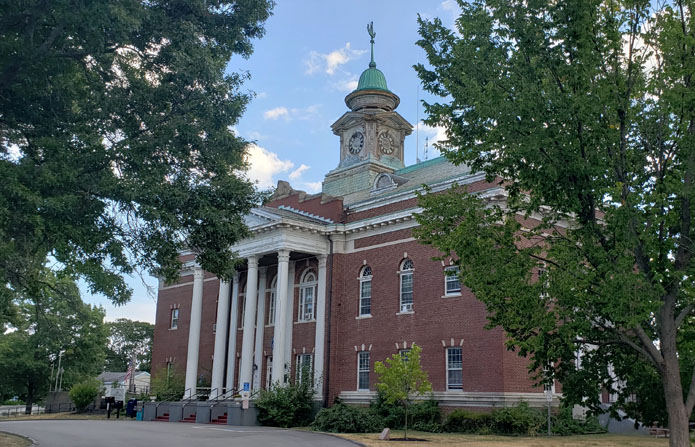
(138, 415)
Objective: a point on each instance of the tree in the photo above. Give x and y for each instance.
(584, 113)
(51, 320)
(168, 384)
(128, 338)
(401, 379)
(116, 148)
(82, 394)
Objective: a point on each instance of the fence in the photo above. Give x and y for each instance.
(20, 410)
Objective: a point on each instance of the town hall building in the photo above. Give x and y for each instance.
(335, 281)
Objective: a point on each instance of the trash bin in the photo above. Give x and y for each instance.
(138, 416)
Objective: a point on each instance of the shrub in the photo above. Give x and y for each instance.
(564, 424)
(82, 394)
(12, 402)
(423, 416)
(168, 384)
(341, 418)
(464, 421)
(518, 420)
(286, 406)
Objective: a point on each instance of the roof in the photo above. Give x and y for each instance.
(412, 177)
(111, 376)
(372, 79)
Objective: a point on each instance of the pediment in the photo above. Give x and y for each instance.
(257, 218)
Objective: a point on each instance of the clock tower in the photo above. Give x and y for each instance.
(371, 134)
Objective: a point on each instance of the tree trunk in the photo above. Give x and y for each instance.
(30, 401)
(678, 419)
(406, 422)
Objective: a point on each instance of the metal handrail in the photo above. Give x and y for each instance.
(226, 396)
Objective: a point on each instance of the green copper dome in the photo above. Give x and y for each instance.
(372, 79)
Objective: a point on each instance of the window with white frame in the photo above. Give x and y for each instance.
(268, 371)
(452, 285)
(304, 368)
(363, 370)
(366, 291)
(271, 300)
(404, 353)
(307, 296)
(454, 368)
(174, 319)
(406, 274)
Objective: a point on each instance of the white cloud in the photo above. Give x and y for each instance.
(262, 95)
(329, 62)
(311, 187)
(294, 175)
(265, 165)
(301, 113)
(431, 135)
(346, 85)
(276, 113)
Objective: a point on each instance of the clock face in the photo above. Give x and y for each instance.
(386, 143)
(356, 142)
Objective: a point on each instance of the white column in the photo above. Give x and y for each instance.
(320, 325)
(260, 320)
(231, 344)
(289, 325)
(278, 376)
(218, 357)
(246, 372)
(194, 333)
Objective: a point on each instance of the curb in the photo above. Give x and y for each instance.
(333, 435)
(31, 440)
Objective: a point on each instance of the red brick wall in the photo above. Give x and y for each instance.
(384, 237)
(332, 209)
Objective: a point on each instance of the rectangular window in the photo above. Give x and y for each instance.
(406, 292)
(268, 371)
(363, 370)
(366, 297)
(454, 368)
(271, 308)
(452, 285)
(306, 304)
(304, 368)
(404, 353)
(174, 319)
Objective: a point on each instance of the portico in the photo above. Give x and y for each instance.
(281, 239)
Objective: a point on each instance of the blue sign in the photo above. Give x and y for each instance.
(247, 387)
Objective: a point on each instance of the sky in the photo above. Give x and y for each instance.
(300, 72)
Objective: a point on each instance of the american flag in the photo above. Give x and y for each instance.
(131, 366)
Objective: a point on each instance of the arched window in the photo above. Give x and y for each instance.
(271, 300)
(366, 291)
(307, 296)
(406, 274)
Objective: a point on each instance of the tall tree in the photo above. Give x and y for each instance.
(52, 319)
(128, 339)
(116, 148)
(585, 113)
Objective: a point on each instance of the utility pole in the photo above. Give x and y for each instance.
(50, 382)
(60, 357)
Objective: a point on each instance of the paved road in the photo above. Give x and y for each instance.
(162, 434)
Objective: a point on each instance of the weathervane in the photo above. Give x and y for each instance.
(372, 34)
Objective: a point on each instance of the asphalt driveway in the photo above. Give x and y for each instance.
(90, 433)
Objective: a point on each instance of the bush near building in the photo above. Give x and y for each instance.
(286, 406)
(82, 394)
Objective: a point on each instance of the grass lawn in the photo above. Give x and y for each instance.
(8, 440)
(455, 440)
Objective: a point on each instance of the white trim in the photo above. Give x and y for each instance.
(173, 286)
(368, 370)
(363, 317)
(446, 368)
(463, 398)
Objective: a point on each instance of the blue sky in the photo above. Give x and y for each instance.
(301, 70)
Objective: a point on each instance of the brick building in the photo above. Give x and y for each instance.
(335, 281)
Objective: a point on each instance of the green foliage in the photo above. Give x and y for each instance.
(464, 421)
(83, 394)
(401, 379)
(50, 319)
(115, 141)
(583, 113)
(518, 420)
(423, 415)
(128, 338)
(341, 418)
(286, 406)
(12, 402)
(565, 425)
(168, 384)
